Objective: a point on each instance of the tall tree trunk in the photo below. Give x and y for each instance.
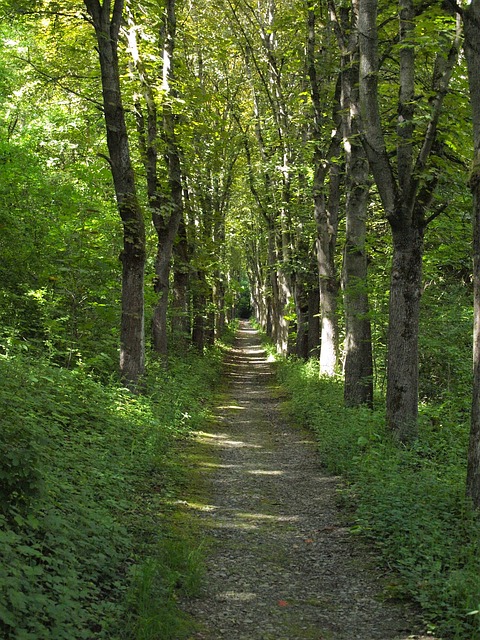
(166, 208)
(404, 199)
(325, 209)
(358, 336)
(219, 284)
(471, 17)
(403, 329)
(167, 222)
(358, 367)
(314, 321)
(199, 304)
(301, 308)
(326, 214)
(181, 273)
(132, 336)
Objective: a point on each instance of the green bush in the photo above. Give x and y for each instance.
(79, 464)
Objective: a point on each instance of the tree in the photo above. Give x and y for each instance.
(326, 192)
(358, 365)
(107, 21)
(406, 190)
(165, 201)
(471, 20)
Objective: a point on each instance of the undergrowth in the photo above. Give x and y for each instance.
(85, 551)
(409, 502)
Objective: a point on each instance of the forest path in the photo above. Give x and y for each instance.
(281, 563)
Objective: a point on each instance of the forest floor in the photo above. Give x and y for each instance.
(281, 563)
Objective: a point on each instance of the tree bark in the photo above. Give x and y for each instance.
(106, 22)
(325, 210)
(358, 365)
(167, 222)
(404, 200)
(314, 321)
(471, 18)
(199, 304)
(166, 207)
(181, 276)
(358, 337)
(403, 330)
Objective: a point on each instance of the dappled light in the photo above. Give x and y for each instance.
(265, 516)
(263, 472)
(231, 406)
(216, 465)
(279, 545)
(198, 506)
(238, 283)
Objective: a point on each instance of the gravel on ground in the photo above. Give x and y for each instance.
(281, 561)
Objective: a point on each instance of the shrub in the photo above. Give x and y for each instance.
(410, 503)
(79, 463)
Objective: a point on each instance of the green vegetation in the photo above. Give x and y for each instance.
(408, 501)
(228, 173)
(86, 547)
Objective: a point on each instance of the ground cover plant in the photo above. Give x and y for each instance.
(409, 501)
(84, 468)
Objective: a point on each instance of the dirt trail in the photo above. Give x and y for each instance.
(282, 565)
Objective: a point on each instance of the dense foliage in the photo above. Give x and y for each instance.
(85, 470)
(239, 184)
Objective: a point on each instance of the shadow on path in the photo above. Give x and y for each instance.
(282, 565)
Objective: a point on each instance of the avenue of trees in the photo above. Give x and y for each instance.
(297, 145)
(269, 146)
(161, 161)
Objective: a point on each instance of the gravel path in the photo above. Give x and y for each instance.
(282, 565)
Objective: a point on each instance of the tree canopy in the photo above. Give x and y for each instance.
(168, 166)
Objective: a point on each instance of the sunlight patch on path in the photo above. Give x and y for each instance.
(283, 565)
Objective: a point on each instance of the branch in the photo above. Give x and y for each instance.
(442, 74)
(104, 157)
(116, 21)
(249, 52)
(94, 9)
(455, 7)
(373, 139)
(436, 213)
(337, 27)
(56, 80)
